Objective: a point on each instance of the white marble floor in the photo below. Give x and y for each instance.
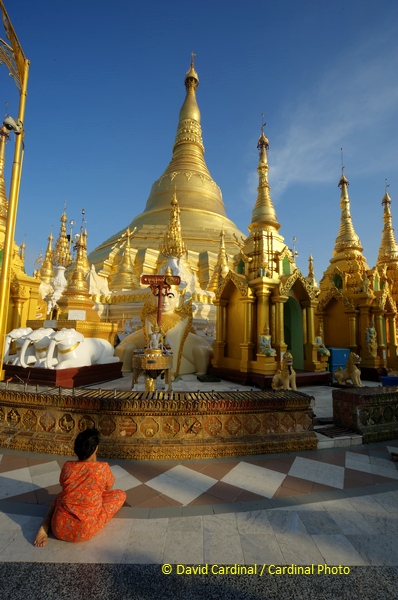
(351, 531)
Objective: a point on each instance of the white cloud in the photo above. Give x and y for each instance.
(354, 104)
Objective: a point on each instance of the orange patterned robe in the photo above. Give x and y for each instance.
(86, 502)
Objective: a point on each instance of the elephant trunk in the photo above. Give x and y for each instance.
(49, 355)
(7, 348)
(22, 354)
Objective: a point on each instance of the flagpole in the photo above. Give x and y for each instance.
(22, 73)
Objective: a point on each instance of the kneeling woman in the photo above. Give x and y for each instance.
(87, 501)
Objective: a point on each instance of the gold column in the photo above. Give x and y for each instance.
(352, 326)
(263, 316)
(17, 58)
(392, 341)
(311, 361)
(304, 319)
(248, 345)
(273, 324)
(279, 343)
(219, 343)
(381, 345)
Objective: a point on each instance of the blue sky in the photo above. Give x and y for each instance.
(106, 86)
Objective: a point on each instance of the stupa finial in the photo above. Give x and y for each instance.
(190, 108)
(388, 251)
(347, 239)
(264, 214)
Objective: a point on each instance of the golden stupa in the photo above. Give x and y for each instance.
(202, 211)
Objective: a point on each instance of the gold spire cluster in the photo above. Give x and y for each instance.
(388, 252)
(263, 214)
(125, 277)
(61, 255)
(4, 137)
(172, 244)
(346, 239)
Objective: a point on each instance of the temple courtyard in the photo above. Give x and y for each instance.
(336, 506)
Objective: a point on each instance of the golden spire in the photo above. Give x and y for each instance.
(190, 108)
(22, 249)
(172, 244)
(346, 239)
(125, 277)
(80, 271)
(83, 243)
(4, 137)
(388, 251)
(311, 273)
(263, 214)
(187, 171)
(62, 256)
(199, 198)
(46, 270)
(221, 269)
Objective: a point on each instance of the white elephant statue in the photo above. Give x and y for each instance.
(74, 350)
(17, 336)
(40, 341)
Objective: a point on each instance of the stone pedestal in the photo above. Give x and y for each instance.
(372, 412)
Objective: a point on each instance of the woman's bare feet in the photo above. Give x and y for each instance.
(41, 537)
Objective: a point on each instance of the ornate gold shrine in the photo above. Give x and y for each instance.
(157, 425)
(152, 363)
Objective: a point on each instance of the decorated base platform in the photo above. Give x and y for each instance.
(370, 411)
(158, 425)
(70, 378)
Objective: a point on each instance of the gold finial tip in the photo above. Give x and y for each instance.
(343, 179)
(263, 141)
(191, 73)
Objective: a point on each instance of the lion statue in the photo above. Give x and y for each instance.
(350, 372)
(285, 377)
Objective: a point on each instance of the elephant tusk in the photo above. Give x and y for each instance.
(68, 349)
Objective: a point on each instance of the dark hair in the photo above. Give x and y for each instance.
(86, 443)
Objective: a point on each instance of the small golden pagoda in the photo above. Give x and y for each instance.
(355, 306)
(24, 290)
(221, 269)
(76, 297)
(202, 210)
(46, 271)
(124, 277)
(266, 288)
(172, 244)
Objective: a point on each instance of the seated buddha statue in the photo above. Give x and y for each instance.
(191, 352)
